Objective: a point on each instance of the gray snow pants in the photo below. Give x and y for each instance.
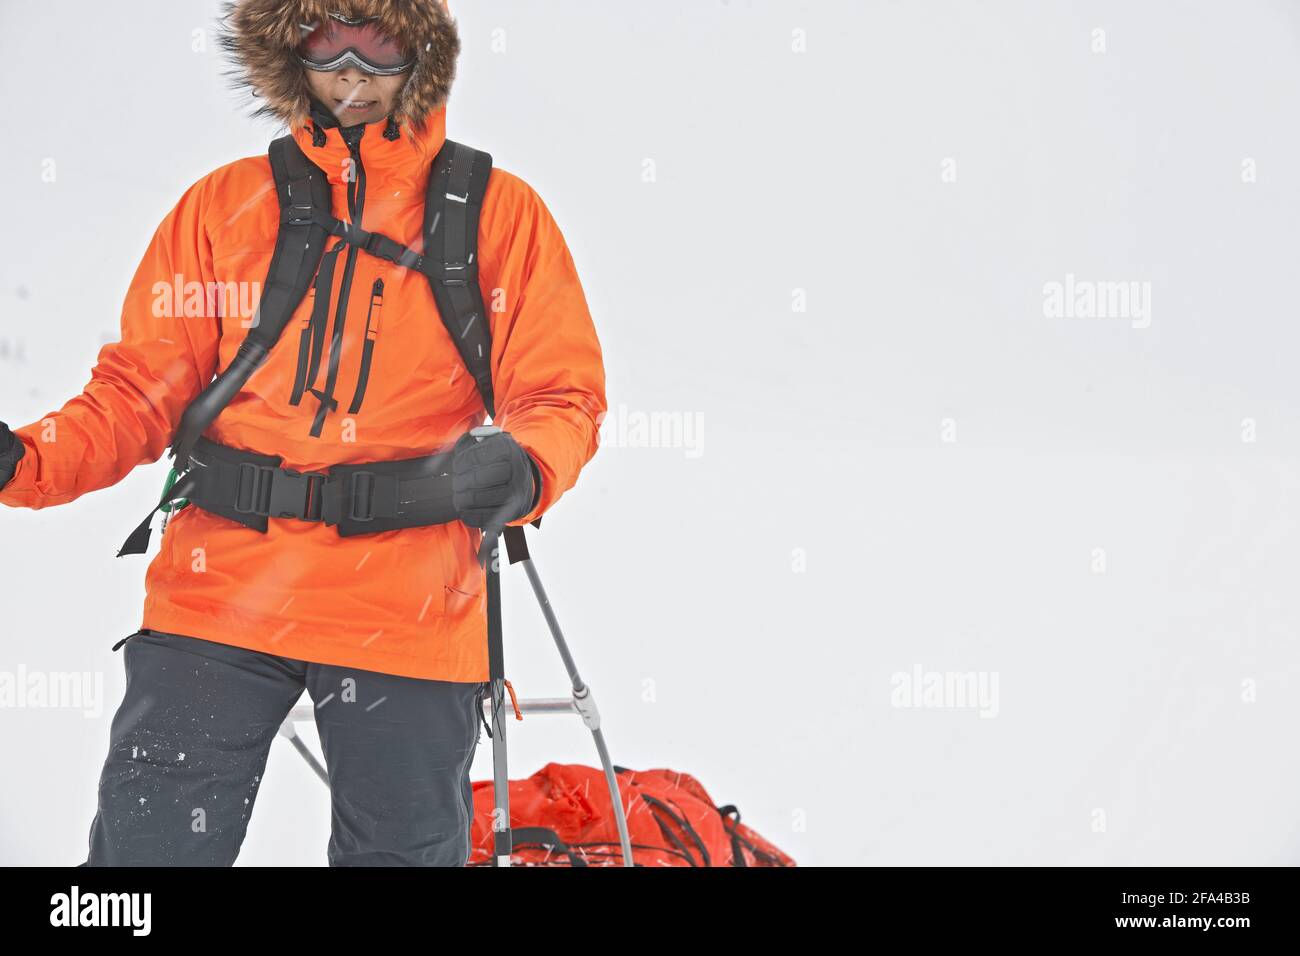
(189, 744)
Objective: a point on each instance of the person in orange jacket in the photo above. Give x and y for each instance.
(386, 631)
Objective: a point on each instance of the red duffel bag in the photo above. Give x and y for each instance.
(562, 816)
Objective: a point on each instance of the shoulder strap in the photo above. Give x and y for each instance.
(457, 184)
(303, 190)
(452, 209)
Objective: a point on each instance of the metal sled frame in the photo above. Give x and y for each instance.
(581, 703)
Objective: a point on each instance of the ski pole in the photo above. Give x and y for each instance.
(502, 839)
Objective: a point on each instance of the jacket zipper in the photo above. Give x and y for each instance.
(356, 207)
(367, 356)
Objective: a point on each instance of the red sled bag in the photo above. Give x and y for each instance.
(562, 816)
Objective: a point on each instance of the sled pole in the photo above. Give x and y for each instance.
(585, 705)
(502, 840)
(498, 710)
(290, 734)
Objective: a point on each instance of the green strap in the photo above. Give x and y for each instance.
(179, 503)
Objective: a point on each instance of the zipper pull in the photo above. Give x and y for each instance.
(352, 137)
(376, 304)
(118, 645)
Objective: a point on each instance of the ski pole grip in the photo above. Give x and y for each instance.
(492, 533)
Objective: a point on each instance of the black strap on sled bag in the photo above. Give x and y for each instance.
(457, 184)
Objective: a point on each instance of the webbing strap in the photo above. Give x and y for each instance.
(300, 187)
(314, 334)
(458, 183)
(452, 209)
(454, 274)
(541, 836)
(359, 499)
(680, 819)
(375, 243)
(368, 350)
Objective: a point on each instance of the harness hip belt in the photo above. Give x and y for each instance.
(359, 499)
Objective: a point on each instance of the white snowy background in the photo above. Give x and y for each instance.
(919, 469)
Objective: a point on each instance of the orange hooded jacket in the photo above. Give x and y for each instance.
(407, 602)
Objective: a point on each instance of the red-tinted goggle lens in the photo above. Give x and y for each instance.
(334, 45)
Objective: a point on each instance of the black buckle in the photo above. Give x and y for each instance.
(410, 259)
(292, 216)
(287, 215)
(382, 247)
(361, 496)
(313, 507)
(272, 492)
(463, 270)
(253, 489)
(295, 495)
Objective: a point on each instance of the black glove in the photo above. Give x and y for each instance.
(493, 481)
(11, 450)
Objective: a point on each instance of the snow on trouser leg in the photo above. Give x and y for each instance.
(187, 750)
(189, 745)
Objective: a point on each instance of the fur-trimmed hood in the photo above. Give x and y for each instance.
(263, 35)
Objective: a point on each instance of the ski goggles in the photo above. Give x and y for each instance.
(346, 41)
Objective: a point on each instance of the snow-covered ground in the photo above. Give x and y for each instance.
(821, 238)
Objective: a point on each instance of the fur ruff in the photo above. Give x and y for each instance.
(262, 36)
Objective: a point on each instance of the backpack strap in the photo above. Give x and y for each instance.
(303, 190)
(452, 207)
(458, 182)
(453, 204)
